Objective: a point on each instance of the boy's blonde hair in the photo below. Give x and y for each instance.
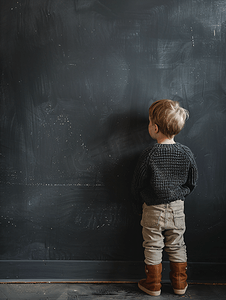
(169, 116)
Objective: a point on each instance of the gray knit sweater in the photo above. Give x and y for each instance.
(164, 173)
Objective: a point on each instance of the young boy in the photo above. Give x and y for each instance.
(165, 174)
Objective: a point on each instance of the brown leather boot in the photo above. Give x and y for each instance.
(152, 284)
(178, 277)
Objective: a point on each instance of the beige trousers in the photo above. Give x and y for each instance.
(163, 228)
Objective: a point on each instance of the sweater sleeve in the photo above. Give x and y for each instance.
(192, 174)
(140, 181)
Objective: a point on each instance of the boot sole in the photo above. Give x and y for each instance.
(180, 292)
(152, 293)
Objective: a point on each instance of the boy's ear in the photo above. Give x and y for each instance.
(156, 128)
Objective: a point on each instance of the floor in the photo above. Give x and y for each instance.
(82, 291)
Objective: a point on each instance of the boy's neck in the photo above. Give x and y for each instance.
(162, 139)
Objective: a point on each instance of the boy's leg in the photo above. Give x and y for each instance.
(174, 233)
(152, 222)
(153, 246)
(175, 245)
(176, 248)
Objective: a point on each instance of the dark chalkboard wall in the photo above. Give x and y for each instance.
(77, 79)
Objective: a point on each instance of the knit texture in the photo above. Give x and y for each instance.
(164, 173)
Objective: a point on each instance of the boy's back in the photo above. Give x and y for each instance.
(165, 173)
